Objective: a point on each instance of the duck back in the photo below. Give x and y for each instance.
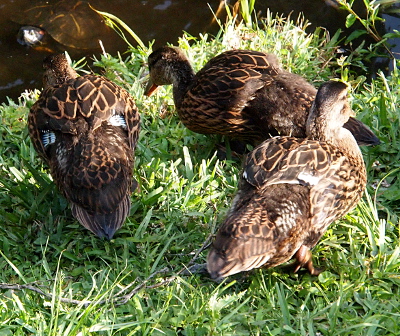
(86, 130)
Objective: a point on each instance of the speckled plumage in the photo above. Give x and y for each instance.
(291, 190)
(243, 94)
(86, 128)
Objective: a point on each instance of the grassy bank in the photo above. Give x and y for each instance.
(61, 280)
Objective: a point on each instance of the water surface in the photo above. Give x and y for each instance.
(159, 20)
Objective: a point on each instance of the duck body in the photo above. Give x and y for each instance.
(289, 91)
(86, 128)
(290, 191)
(218, 99)
(243, 94)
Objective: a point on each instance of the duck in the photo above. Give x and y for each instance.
(290, 190)
(86, 128)
(242, 94)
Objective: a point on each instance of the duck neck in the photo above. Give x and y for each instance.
(181, 80)
(58, 76)
(340, 138)
(345, 140)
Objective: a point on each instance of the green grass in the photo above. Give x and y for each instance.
(185, 191)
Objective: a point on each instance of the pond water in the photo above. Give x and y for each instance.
(159, 20)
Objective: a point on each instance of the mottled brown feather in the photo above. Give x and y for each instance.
(91, 158)
(291, 190)
(240, 93)
(263, 228)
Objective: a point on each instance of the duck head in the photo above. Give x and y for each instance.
(57, 70)
(329, 112)
(168, 65)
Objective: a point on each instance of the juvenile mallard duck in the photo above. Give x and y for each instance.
(86, 128)
(240, 93)
(291, 190)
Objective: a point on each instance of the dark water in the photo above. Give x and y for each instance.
(159, 20)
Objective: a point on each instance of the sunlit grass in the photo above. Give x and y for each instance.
(185, 191)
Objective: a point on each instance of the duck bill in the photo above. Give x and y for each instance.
(150, 88)
(363, 135)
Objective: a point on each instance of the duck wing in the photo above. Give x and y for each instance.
(93, 99)
(287, 160)
(231, 78)
(224, 87)
(335, 179)
(263, 63)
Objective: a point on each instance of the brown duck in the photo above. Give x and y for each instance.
(86, 128)
(243, 94)
(291, 190)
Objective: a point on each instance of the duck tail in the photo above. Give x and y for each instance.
(363, 135)
(103, 225)
(220, 266)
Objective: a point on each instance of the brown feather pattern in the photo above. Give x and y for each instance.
(95, 126)
(290, 191)
(243, 94)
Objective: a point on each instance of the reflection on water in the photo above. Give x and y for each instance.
(162, 20)
(159, 20)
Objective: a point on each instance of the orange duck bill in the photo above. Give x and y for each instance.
(150, 88)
